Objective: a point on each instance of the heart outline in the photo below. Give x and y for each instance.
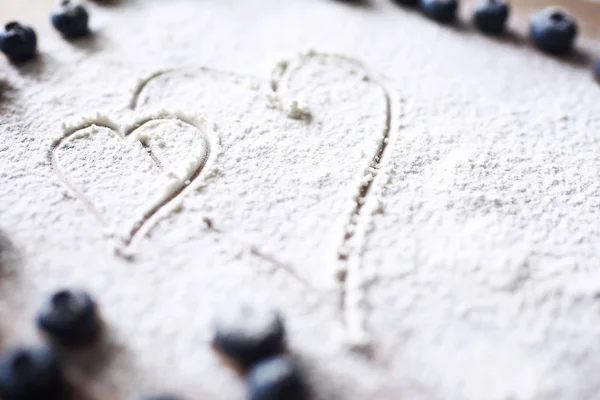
(151, 214)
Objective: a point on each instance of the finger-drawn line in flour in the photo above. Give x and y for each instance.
(255, 251)
(353, 312)
(68, 132)
(291, 107)
(281, 266)
(162, 206)
(251, 82)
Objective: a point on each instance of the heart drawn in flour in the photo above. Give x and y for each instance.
(297, 156)
(128, 176)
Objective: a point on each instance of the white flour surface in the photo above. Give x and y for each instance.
(421, 203)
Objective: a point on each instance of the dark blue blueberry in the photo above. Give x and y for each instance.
(246, 334)
(440, 10)
(70, 19)
(276, 378)
(490, 16)
(69, 317)
(407, 2)
(30, 374)
(597, 70)
(553, 30)
(18, 42)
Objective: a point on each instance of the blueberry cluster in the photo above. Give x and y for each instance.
(552, 29)
(19, 41)
(68, 318)
(252, 339)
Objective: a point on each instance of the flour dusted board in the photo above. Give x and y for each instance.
(469, 272)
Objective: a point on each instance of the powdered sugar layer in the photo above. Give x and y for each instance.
(472, 265)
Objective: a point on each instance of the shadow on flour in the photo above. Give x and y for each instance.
(87, 364)
(578, 58)
(111, 3)
(5, 88)
(35, 67)
(13, 288)
(357, 3)
(10, 256)
(90, 43)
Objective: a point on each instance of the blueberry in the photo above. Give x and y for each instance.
(553, 30)
(246, 333)
(440, 10)
(69, 316)
(597, 70)
(490, 16)
(70, 19)
(18, 42)
(407, 2)
(276, 378)
(30, 374)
